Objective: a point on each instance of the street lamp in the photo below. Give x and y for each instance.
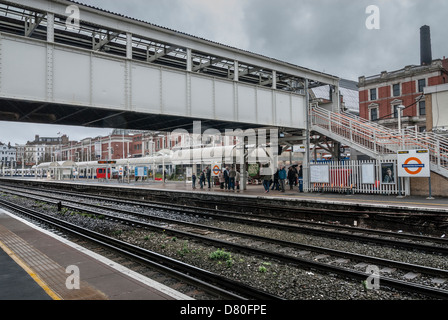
(399, 109)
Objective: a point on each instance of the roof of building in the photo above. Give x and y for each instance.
(411, 70)
(348, 90)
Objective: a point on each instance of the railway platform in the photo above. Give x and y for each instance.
(257, 191)
(38, 265)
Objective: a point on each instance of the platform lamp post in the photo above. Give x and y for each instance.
(399, 110)
(128, 168)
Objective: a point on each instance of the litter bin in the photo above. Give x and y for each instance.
(301, 184)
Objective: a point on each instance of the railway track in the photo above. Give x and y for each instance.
(286, 252)
(205, 280)
(404, 240)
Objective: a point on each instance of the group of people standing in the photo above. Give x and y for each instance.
(229, 179)
(278, 180)
(204, 176)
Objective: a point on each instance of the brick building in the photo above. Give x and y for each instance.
(381, 95)
(120, 144)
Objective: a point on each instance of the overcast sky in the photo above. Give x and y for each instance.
(324, 35)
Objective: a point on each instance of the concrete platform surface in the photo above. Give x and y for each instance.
(36, 264)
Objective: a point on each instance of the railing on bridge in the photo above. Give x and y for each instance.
(378, 141)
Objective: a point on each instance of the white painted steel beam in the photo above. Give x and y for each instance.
(205, 65)
(52, 72)
(32, 23)
(161, 53)
(37, 70)
(103, 40)
(50, 27)
(122, 24)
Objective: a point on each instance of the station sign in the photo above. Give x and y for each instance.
(141, 171)
(298, 148)
(413, 163)
(216, 169)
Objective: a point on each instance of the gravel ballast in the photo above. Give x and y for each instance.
(288, 281)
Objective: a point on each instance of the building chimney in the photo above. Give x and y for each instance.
(425, 46)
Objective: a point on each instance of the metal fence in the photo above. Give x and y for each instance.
(355, 176)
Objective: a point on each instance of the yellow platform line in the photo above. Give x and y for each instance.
(33, 275)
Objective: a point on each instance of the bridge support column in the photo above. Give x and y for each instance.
(189, 60)
(242, 160)
(274, 79)
(50, 27)
(306, 158)
(128, 45)
(237, 71)
(407, 186)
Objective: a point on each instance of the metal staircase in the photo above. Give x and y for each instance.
(377, 141)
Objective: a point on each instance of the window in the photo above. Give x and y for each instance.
(421, 85)
(396, 109)
(374, 114)
(422, 108)
(373, 94)
(396, 90)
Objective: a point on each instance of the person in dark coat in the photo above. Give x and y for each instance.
(232, 175)
(276, 184)
(300, 178)
(202, 179)
(291, 177)
(208, 173)
(226, 178)
(193, 180)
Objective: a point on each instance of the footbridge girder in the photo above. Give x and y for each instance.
(64, 62)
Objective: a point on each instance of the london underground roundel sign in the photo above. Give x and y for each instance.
(216, 169)
(413, 163)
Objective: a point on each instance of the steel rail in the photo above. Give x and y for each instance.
(206, 279)
(381, 261)
(438, 293)
(288, 227)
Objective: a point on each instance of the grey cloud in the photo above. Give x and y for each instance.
(331, 35)
(324, 35)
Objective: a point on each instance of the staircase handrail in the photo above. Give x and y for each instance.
(380, 139)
